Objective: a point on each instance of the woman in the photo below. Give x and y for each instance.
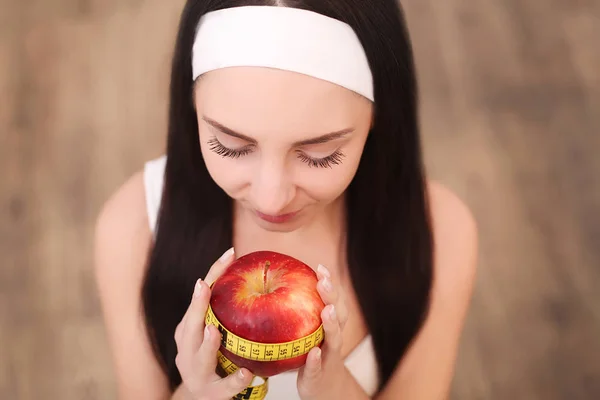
(293, 127)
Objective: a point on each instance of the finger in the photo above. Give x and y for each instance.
(220, 266)
(179, 332)
(339, 296)
(192, 331)
(312, 368)
(215, 271)
(328, 287)
(331, 326)
(309, 374)
(180, 326)
(331, 294)
(341, 310)
(322, 272)
(328, 292)
(233, 384)
(206, 358)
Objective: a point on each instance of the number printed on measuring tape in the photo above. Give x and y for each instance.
(263, 351)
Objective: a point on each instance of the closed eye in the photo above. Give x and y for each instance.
(324, 162)
(217, 147)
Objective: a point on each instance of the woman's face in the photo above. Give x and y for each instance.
(284, 145)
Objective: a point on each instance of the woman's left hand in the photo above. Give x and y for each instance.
(323, 375)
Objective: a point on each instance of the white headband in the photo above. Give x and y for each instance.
(284, 38)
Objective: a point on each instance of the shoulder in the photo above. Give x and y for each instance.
(455, 236)
(123, 221)
(122, 243)
(427, 368)
(130, 212)
(448, 208)
(122, 239)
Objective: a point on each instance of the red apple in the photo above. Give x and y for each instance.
(267, 297)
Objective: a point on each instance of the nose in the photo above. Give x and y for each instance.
(272, 188)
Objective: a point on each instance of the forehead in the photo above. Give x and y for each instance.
(257, 100)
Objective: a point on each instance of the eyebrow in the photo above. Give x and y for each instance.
(317, 140)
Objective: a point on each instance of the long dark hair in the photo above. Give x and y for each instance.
(389, 238)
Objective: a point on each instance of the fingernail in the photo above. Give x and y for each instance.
(198, 288)
(327, 284)
(206, 332)
(332, 313)
(241, 373)
(321, 268)
(226, 256)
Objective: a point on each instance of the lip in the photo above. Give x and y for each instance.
(277, 219)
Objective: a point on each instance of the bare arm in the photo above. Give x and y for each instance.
(121, 245)
(427, 369)
(180, 394)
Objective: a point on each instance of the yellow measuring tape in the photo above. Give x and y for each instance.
(259, 352)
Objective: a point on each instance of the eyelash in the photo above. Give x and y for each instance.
(325, 162)
(221, 150)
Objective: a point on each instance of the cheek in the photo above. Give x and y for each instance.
(227, 173)
(327, 184)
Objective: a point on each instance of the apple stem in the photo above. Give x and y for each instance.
(266, 268)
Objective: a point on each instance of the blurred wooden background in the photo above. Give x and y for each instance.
(511, 122)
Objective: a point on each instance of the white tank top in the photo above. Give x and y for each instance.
(360, 362)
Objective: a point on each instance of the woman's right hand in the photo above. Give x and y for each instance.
(197, 346)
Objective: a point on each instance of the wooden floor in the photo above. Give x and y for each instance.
(511, 122)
